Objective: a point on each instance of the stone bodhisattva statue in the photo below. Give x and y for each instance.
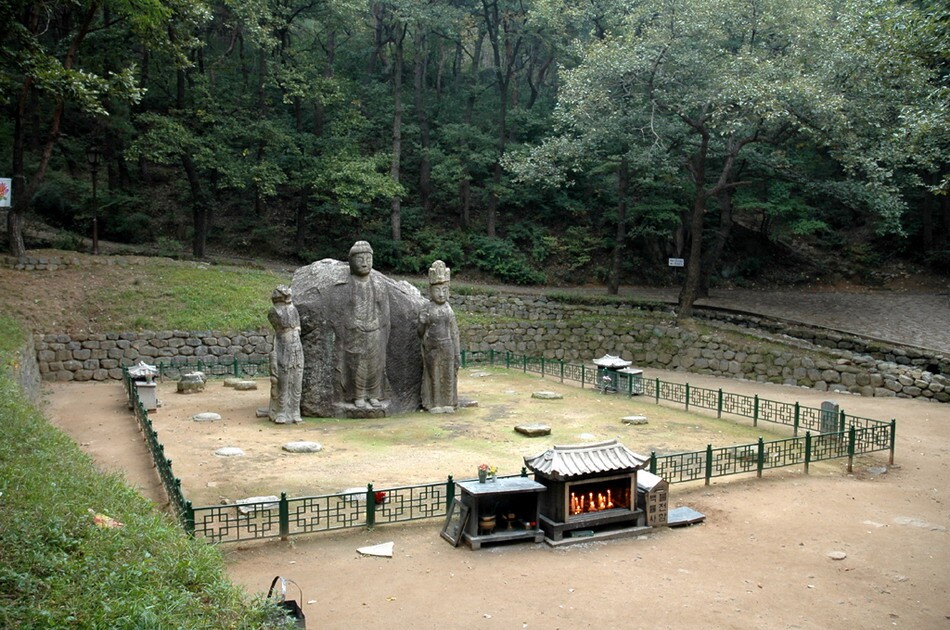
(440, 344)
(286, 358)
(366, 333)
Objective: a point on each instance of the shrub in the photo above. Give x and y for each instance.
(501, 258)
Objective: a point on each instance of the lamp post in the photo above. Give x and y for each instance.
(92, 156)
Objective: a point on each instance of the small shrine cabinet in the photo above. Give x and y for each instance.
(502, 510)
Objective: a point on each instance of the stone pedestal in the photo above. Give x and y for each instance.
(148, 395)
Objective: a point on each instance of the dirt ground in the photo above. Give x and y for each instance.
(760, 559)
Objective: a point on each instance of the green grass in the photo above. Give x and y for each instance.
(190, 298)
(59, 570)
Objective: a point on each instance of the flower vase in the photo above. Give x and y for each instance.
(482, 476)
(492, 476)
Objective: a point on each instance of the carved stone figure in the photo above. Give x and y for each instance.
(363, 368)
(286, 359)
(440, 345)
(361, 348)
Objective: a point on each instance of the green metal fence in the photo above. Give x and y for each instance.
(854, 435)
(286, 516)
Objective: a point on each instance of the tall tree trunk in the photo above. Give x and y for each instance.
(422, 119)
(395, 214)
(623, 179)
(718, 244)
(694, 262)
(199, 209)
(24, 190)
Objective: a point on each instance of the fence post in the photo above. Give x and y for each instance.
(507, 360)
(755, 411)
(370, 507)
(807, 450)
(542, 367)
(798, 415)
(562, 370)
(761, 459)
(462, 353)
(524, 363)
(582, 376)
(890, 460)
(491, 357)
(841, 422)
(236, 370)
(653, 462)
(283, 514)
(630, 385)
(449, 493)
(708, 463)
(687, 396)
(188, 518)
(852, 435)
(719, 405)
(656, 392)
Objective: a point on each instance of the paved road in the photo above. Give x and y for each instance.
(915, 318)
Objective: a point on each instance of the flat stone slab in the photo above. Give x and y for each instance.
(263, 412)
(243, 386)
(253, 504)
(634, 420)
(206, 416)
(467, 402)
(229, 451)
(547, 395)
(302, 446)
(837, 555)
(442, 410)
(231, 381)
(382, 550)
(479, 374)
(681, 516)
(533, 430)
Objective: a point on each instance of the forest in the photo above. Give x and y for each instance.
(527, 141)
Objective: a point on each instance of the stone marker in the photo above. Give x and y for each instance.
(243, 386)
(547, 395)
(253, 504)
(302, 447)
(206, 416)
(634, 420)
(533, 430)
(383, 550)
(191, 383)
(229, 451)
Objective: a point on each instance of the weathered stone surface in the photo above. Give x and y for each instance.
(533, 430)
(229, 451)
(253, 504)
(191, 383)
(322, 296)
(206, 416)
(244, 386)
(837, 555)
(545, 395)
(302, 446)
(634, 420)
(231, 381)
(467, 402)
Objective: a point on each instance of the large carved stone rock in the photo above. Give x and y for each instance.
(322, 297)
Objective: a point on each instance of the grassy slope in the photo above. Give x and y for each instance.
(57, 569)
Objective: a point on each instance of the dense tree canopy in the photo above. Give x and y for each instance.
(589, 141)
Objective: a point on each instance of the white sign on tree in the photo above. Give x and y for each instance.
(5, 192)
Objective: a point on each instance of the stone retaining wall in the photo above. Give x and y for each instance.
(538, 327)
(54, 262)
(84, 357)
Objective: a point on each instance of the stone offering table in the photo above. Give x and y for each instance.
(517, 496)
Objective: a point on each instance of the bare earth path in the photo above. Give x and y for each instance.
(760, 560)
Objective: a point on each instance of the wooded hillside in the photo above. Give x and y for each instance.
(532, 141)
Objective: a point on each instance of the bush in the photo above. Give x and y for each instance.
(501, 258)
